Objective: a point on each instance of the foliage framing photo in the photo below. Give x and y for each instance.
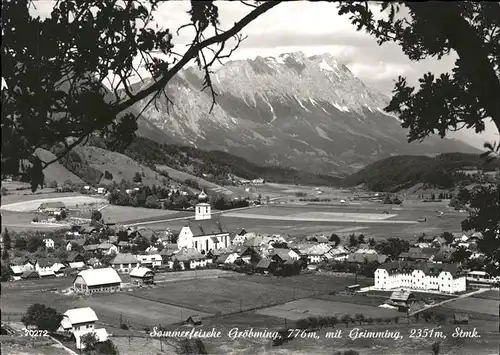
(55, 70)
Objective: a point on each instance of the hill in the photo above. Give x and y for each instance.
(310, 113)
(214, 166)
(403, 171)
(56, 171)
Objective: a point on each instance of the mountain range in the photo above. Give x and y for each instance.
(308, 113)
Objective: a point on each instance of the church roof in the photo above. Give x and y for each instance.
(206, 227)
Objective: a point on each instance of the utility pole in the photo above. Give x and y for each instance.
(241, 304)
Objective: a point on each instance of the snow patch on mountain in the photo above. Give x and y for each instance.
(300, 103)
(325, 66)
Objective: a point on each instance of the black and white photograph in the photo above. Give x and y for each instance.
(250, 177)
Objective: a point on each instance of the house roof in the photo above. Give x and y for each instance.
(30, 273)
(140, 272)
(401, 295)
(363, 257)
(91, 247)
(105, 245)
(72, 256)
(78, 241)
(146, 233)
(428, 268)
(419, 253)
(194, 318)
(45, 262)
(81, 315)
(206, 227)
(187, 254)
(94, 277)
(55, 204)
(124, 258)
(263, 263)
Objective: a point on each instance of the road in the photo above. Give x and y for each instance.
(450, 300)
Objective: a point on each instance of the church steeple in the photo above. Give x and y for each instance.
(202, 210)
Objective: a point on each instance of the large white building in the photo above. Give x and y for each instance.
(416, 276)
(203, 233)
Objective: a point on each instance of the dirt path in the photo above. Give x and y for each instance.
(450, 300)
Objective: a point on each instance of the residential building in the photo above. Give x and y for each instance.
(142, 276)
(43, 267)
(150, 260)
(107, 248)
(124, 262)
(446, 278)
(97, 280)
(49, 243)
(30, 274)
(264, 265)
(79, 242)
(189, 258)
(81, 321)
(203, 233)
(19, 270)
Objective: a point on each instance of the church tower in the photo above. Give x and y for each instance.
(202, 208)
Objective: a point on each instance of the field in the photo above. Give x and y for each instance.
(127, 214)
(485, 306)
(362, 217)
(136, 310)
(308, 307)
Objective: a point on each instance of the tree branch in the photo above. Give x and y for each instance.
(192, 53)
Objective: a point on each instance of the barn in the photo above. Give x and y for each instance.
(97, 280)
(142, 275)
(402, 299)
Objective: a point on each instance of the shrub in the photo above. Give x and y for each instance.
(123, 326)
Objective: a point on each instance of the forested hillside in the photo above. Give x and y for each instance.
(399, 172)
(213, 166)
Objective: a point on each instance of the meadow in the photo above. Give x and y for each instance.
(485, 306)
(312, 307)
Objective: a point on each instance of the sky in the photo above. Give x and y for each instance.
(313, 28)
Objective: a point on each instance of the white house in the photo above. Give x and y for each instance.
(203, 233)
(44, 267)
(124, 262)
(49, 243)
(317, 253)
(445, 278)
(101, 190)
(81, 321)
(150, 260)
(108, 248)
(189, 259)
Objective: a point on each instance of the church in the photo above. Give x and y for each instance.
(203, 233)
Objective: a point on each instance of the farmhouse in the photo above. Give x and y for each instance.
(150, 260)
(124, 262)
(44, 266)
(189, 259)
(48, 207)
(194, 320)
(107, 248)
(19, 270)
(81, 321)
(142, 275)
(97, 280)
(316, 253)
(203, 233)
(80, 242)
(420, 276)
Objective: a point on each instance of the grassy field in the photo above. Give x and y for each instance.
(126, 214)
(489, 295)
(18, 345)
(308, 307)
(486, 306)
(134, 310)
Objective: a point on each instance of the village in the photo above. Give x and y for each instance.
(98, 259)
